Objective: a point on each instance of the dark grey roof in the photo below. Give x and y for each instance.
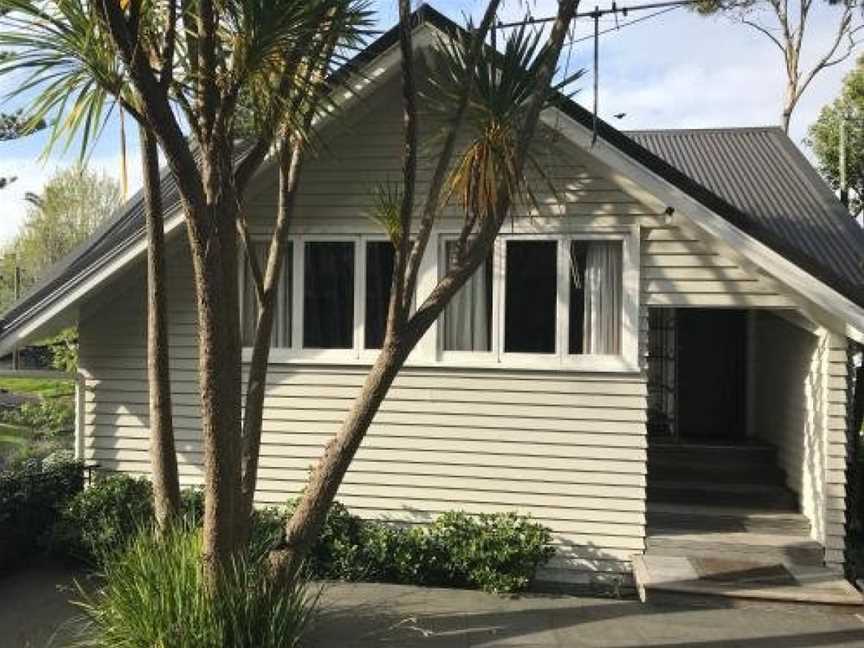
(759, 182)
(762, 173)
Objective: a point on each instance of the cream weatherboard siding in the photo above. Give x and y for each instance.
(801, 407)
(568, 449)
(680, 270)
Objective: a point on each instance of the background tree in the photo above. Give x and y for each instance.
(785, 25)
(824, 138)
(72, 204)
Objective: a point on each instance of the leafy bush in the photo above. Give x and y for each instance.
(103, 518)
(496, 553)
(52, 417)
(31, 501)
(154, 594)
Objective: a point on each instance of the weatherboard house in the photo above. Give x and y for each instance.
(654, 362)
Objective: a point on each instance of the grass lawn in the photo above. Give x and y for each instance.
(13, 437)
(44, 387)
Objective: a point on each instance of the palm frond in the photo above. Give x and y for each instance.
(486, 171)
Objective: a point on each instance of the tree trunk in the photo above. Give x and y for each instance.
(214, 254)
(291, 162)
(305, 524)
(163, 457)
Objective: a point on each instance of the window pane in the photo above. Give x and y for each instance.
(379, 275)
(531, 296)
(281, 335)
(328, 295)
(596, 276)
(468, 316)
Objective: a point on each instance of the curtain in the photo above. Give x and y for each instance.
(281, 335)
(603, 288)
(466, 318)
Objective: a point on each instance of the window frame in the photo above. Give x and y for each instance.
(429, 351)
(467, 358)
(624, 361)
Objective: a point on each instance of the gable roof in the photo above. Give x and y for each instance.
(681, 158)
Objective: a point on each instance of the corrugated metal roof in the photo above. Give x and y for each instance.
(762, 173)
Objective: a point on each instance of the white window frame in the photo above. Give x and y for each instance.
(625, 361)
(429, 351)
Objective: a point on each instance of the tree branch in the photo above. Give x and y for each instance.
(433, 198)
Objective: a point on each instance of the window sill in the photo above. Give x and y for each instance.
(332, 357)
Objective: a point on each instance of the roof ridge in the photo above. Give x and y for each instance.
(706, 129)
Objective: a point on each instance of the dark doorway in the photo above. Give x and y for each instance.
(712, 374)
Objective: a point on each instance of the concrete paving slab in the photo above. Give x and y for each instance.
(32, 608)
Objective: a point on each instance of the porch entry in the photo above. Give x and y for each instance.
(698, 375)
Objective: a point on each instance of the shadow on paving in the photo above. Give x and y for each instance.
(361, 616)
(34, 605)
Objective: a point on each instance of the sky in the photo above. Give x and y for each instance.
(675, 70)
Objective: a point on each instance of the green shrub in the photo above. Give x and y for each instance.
(31, 501)
(104, 517)
(52, 417)
(101, 519)
(154, 595)
(496, 553)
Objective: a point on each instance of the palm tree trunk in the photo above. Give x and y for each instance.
(163, 457)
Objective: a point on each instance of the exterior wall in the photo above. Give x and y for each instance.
(679, 270)
(567, 447)
(801, 407)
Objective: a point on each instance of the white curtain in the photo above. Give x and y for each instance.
(603, 272)
(466, 318)
(281, 335)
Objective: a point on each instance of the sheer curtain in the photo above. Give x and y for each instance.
(466, 318)
(603, 272)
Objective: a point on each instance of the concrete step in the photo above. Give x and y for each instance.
(718, 519)
(731, 494)
(735, 545)
(683, 580)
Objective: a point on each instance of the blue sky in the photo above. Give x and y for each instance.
(676, 70)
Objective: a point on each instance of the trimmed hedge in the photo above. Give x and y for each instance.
(32, 499)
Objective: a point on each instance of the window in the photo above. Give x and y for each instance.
(596, 272)
(561, 298)
(281, 335)
(379, 277)
(468, 317)
(328, 295)
(531, 297)
(538, 301)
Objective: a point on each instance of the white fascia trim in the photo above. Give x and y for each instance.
(71, 298)
(640, 179)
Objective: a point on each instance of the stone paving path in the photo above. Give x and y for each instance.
(32, 608)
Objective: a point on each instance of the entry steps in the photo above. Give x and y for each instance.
(722, 528)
